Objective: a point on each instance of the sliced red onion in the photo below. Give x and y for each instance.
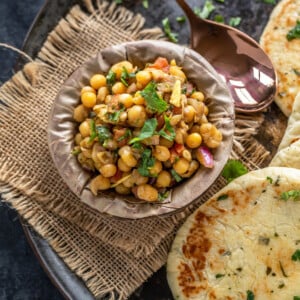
(205, 157)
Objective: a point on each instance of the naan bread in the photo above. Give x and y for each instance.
(292, 132)
(240, 243)
(284, 54)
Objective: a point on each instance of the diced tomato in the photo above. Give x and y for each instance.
(177, 110)
(161, 63)
(116, 177)
(178, 148)
(173, 155)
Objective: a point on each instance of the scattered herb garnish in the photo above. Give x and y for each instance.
(147, 131)
(110, 78)
(103, 133)
(163, 195)
(222, 197)
(250, 295)
(282, 269)
(146, 162)
(137, 146)
(118, 1)
(124, 76)
(233, 169)
(234, 21)
(296, 255)
(93, 131)
(145, 3)
(76, 151)
(222, 1)
(176, 176)
(296, 72)
(153, 101)
(167, 131)
(114, 116)
(219, 275)
(296, 297)
(126, 135)
(172, 36)
(270, 179)
(219, 19)
(270, 1)
(294, 33)
(292, 194)
(205, 12)
(181, 19)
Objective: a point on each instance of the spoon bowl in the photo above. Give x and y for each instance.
(239, 60)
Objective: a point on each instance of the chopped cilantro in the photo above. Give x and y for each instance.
(114, 116)
(219, 19)
(126, 135)
(103, 133)
(176, 176)
(293, 194)
(296, 72)
(296, 255)
(173, 37)
(145, 3)
(146, 162)
(125, 76)
(269, 1)
(163, 195)
(167, 131)
(153, 101)
(270, 179)
(118, 1)
(219, 275)
(233, 169)
(250, 295)
(222, 1)
(296, 298)
(205, 12)
(93, 131)
(110, 78)
(137, 146)
(294, 33)
(222, 197)
(76, 151)
(181, 19)
(147, 131)
(234, 21)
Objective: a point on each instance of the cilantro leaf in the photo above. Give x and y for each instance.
(110, 79)
(114, 116)
(234, 21)
(296, 255)
(147, 131)
(76, 151)
(173, 37)
(162, 196)
(145, 3)
(222, 197)
(269, 1)
(270, 179)
(207, 9)
(222, 1)
(103, 133)
(181, 19)
(167, 131)
(294, 33)
(219, 19)
(146, 162)
(176, 176)
(296, 298)
(219, 275)
(93, 131)
(250, 295)
(153, 101)
(233, 169)
(293, 194)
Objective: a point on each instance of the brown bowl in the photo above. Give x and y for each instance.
(62, 127)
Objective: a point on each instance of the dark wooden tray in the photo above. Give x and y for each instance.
(254, 16)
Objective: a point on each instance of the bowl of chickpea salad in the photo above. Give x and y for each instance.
(142, 129)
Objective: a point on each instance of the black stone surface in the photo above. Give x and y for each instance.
(21, 277)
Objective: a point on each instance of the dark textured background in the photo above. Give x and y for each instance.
(21, 277)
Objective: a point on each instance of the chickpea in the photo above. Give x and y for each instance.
(86, 163)
(84, 129)
(118, 88)
(156, 168)
(198, 96)
(147, 192)
(87, 88)
(97, 81)
(143, 77)
(108, 170)
(136, 115)
(165, 142)
(161, 153)
(126, 100)
(180, 136)
(127, 156)
(123, 117)
(164, 179)
(195, 128)
(102, 93)
(80, 113)
(86, 143)
(175, 120)
(138, 99)
(99, 183)
(189, 113)
(105, 157)
(129, 182)
(206, 111)
(181, 166)
(123, 166)
(88, 99)
(122, 189)
(176, 71)
(194, 165)
(138, 178)
(193, 140)
(119, 67)
(86, 152)
(187, 155)
(78, 138)
(212, 137)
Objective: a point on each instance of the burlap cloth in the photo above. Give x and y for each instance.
(94, 246)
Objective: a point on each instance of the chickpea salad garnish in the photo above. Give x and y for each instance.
(141, 132)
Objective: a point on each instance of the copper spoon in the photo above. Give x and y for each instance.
(240, 61)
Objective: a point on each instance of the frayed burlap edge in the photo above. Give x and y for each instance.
(24, 81)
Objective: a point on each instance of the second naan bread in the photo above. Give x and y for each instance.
(284, 54)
